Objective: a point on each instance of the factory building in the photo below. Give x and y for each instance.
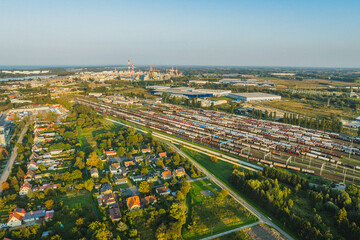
(256, 96)
(189, 92)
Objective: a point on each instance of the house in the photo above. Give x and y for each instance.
(97, 185)
(129, 163)
(115, 168)
(119, 181)
(109, 199)
(38, 177)
(152, 178)
(133, 203)
(32, 216)
(163, 190)
(137, 178)
(146, 150)
(115, 214)
(166, 175)
(105, 188)
(49, 215)
(180, 172)
(162, 155)
(16, 217)
(109, 153)
(148, 200)
(94, 172)
(123, 171)
(30, 175)
(46, 186)
(33, 156)
(114, 160)
(138, 158)
(25, 189)
(56, 152)
(32, 165)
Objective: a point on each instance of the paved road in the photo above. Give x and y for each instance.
(10, 163)
(230, 231)
(259, 215)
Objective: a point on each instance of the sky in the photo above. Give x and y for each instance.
(307, 33)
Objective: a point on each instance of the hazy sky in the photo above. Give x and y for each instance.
(198, 32)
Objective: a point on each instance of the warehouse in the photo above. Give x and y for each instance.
(251, 97)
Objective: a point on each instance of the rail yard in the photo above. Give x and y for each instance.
(254, 141)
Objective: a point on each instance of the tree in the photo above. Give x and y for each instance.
(213, 159)
(144, 171)
(56, 237)
(76, 175)
(79, 222)
(99, 231)
(20, 174)
(129, 155)
(185, 188)
(121, 151)
(122, 227)
(79, 163)
(160, 163)
(49, 204)
(5, 185)
(89, 185)
(341, 216)
(144, 187)
(93, 160)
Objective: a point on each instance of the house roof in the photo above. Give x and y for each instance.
(163, 154)
(128, 163)
(133, 202)
(148, 199)
(166, 174)
(34, 214)
(49, 214)
(108, 198)
(18, 213)
(105, 187)
(26, 185)
(180, 171)
(114, 213)
(163, 189)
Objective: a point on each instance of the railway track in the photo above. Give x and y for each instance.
(246, 145)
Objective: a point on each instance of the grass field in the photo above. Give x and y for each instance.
(208, 215)
(77, 201)
(203, 185)
(223, 169)
(308, 110)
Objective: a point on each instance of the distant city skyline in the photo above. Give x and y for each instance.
(204, 33)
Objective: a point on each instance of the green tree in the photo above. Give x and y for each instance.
(121, 226)
(89, 185)
(144, 187)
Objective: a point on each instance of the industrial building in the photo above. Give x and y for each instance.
(248, 82)
(190, 92)
(255, 96)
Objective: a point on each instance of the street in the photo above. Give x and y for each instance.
(12, 158)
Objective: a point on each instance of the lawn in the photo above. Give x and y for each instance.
(198, 187)
(77, 201)
(223, 169)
